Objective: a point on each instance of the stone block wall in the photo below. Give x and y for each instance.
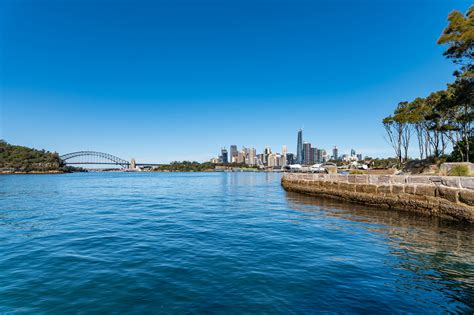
(443, 196)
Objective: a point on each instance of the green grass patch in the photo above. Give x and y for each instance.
(356, 172)
(459, 170)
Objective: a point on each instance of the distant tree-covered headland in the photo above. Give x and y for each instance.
(20, 159)
(443, 119)
(187, 166)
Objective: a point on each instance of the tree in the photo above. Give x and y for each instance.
(418, 111)
(404, 118)
(14, 158)
(461, 147)
(460, 114)
(398, 131)
(444, 116)
(459, 36)
(436, 120)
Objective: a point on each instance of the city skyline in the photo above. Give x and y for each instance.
(181, 81)
(307, 153)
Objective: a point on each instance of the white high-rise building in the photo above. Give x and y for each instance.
(324, 156)
(252, 156)
(241, 157)
(284, 151)
(274, 160)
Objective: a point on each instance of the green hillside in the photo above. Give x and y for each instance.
(15, 158)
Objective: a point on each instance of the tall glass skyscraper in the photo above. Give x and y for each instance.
(335, 153)
(233, 153)
(307, 156)
(299, 148)
(225, 156)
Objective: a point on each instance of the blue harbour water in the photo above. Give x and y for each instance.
(219, 243)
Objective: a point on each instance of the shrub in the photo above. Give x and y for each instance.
(459, 170)
(356, 172)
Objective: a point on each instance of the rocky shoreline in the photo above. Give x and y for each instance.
(33, 173)
(449, 197)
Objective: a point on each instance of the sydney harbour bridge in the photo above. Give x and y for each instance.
(100, 158)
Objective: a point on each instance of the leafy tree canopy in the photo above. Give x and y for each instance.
(459, 36)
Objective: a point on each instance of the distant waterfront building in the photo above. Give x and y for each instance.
(319, 156)
(324, 156)
(274, 160)
(284, 151)
(359, 157)
(314, 156)
(290, 159)
(266, 154)
(307, 158)
(246, 155)
(224, 156)
(241, 156)
(252, 158)
(215, 160)
(271, 160)
(299, 148)
(353, 153)
(278, 160)
(234, 153)
(335, 153)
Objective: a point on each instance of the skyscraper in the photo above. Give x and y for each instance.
(261, 159)
(299, 148)
(284, 151)
(266, 153)
(241, 157)
(233, 153)
(307, 157)
(324, 156)
(335, 153)
(353, 153)
(252, 156)
(319, 156)
(290, 159)
(314, 155)
(246, 155)
(225, 157)
(272, 160)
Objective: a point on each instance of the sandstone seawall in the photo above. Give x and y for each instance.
(449, 197)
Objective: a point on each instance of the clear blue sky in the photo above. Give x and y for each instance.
(175, 80)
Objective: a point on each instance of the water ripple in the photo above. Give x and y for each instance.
(219, 243)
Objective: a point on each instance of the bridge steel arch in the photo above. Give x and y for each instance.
(93, 157)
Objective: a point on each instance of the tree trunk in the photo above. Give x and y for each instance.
(419, 136)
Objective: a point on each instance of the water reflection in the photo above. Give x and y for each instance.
(421, 249)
